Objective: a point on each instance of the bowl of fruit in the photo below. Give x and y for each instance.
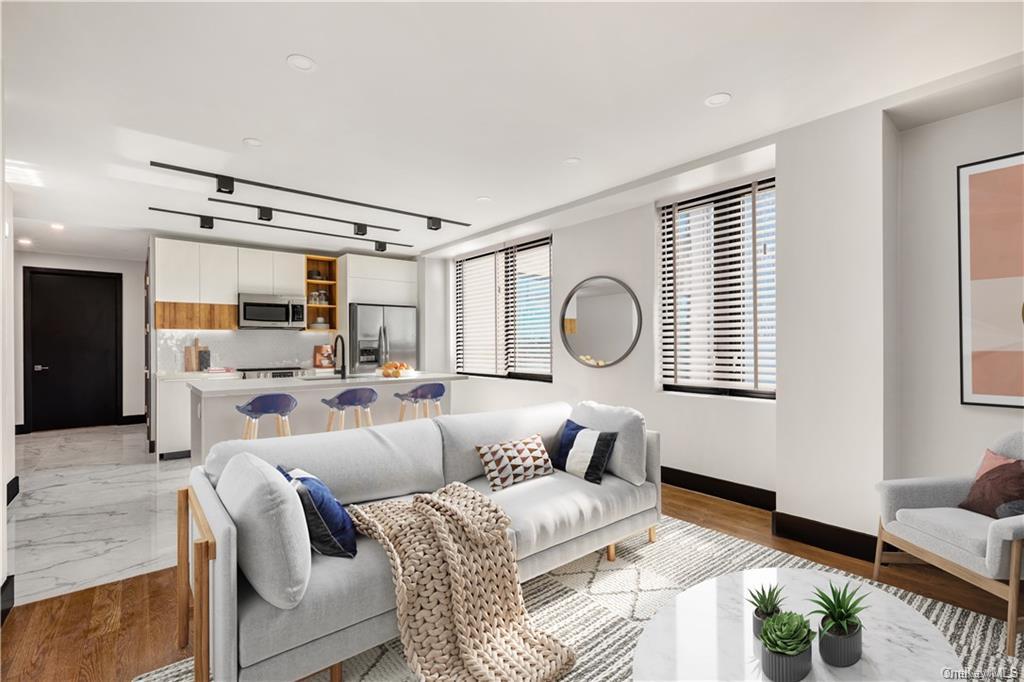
(395, 370)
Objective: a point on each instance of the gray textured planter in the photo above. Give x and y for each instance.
(758, 622)
(783, 668)
(840, 650)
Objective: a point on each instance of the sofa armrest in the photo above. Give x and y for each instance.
(1004, 530)
(223, 581)
(654, 462)
(919, 493)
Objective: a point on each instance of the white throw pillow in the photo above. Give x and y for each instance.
(629, 456)
(273, 541)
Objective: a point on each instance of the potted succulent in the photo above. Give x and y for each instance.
(786, 651)
(766, 602)
(840, 640)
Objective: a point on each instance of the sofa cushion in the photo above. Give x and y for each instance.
(341, 592)
(358, 464)
(959, 527)
(461, 434)
(273, 542)
(552, 509)
(629, 456)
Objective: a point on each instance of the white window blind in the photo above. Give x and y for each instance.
(718, 292)
(503, 312)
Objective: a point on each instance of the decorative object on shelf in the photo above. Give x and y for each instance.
(840, 632)
(990, 197)
(786, 651)
(766, 602)
(323, 356)
(197, 358)
(314, 274)
(600, 321)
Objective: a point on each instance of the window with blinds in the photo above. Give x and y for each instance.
(718, 292)
(503, 312)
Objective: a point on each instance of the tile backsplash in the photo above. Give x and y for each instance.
(249, 348)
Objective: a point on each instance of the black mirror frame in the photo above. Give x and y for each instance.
(636, 335)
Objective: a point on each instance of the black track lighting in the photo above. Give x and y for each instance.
(206, 222)
(380, 246)
(272, 210)
(433, 223)
(265, 213)
(360, 229)
(225, 184)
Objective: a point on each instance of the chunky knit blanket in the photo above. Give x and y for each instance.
(460, 605)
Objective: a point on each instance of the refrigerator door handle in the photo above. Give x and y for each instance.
(387, 345)
(380, 346)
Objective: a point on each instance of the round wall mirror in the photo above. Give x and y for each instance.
(600, 321)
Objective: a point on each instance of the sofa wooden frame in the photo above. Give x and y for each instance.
(193, 588)
(1008, 591)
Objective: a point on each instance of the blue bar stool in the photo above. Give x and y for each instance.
(358, 398)
(279, 404)
(424, 394)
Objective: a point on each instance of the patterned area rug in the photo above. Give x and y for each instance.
(600, 608)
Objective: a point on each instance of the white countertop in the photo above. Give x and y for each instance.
(196, 376)
(208, 388)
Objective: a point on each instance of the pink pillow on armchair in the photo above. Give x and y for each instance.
(989, 462)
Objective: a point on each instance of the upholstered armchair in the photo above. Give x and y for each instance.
(921, 518)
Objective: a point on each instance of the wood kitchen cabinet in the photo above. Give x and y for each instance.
(176, 271)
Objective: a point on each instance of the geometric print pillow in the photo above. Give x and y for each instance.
(514, 461)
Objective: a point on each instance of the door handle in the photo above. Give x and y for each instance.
(39, 368)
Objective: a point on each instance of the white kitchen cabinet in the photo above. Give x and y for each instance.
(218, 274)
(176, 271)
(255, 271)
(289, 274)
(370, 279)
(382, 291)
(374, 267)
(172, 417)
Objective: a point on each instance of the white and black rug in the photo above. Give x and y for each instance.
(600, 608)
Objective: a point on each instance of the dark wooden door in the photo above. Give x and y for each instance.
(72, 348)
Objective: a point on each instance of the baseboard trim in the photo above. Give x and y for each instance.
(13, 488)
(832, 538)
(21, 430)
(717, 487)
(6, 597)
(132, 419)
(177, 454)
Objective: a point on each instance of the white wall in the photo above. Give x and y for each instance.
(729, 438)
(133, 303)
(939, 435)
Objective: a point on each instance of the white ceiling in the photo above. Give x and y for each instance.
(424, 107)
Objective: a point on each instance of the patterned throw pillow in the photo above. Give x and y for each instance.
(514, 461)
(584, 452)
(999, 492)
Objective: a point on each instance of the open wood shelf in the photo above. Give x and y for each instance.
(328, 267)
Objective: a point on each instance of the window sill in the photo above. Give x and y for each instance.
(542, 378)
(720, 392)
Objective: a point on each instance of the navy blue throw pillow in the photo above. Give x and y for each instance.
(331, 531)
(569, 433)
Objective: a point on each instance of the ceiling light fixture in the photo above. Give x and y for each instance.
(359, 229)
(300, 213)
(719, 99)
(380, 246)
(56, 226)
(301, 62)
(573, 161)
(484, 200)
(206, 222)
(252, 141)
(225, 184)
(25, 241)
(264, 213)
(433, 224)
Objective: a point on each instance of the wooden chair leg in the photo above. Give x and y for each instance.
(286, 426)
(278, 425)
(183, 570)
(336, 672)
(401, 412)
(611, 552)
(331, 413)
(652, 534)
(878, 553)
(1013, 603)
(359, 417)
(369, 417)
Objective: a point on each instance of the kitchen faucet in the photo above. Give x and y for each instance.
(339, 369)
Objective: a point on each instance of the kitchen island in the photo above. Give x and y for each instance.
(213, 417)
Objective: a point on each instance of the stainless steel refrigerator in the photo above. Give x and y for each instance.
(379, 334)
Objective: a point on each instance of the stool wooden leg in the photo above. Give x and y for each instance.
(278, 425)
(369, 417)
(652, 534)
(611, 552)
(286, 426)
(359, 417)
(426, 408)
(341, 420)
(437, 407)
(245, 428)
(401, 412)
(336, 672)
(330, 419)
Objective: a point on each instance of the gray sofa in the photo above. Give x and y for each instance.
(349, 605)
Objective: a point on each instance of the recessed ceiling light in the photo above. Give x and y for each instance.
(25, 241)
(301, 62)
(573, 160)
(56, 226)
(719, 99)
(484, 200)
(252, 141)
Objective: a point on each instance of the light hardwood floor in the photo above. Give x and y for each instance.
(122, 629)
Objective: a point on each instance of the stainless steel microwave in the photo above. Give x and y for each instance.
(263, 311)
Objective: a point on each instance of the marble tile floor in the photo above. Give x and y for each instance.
(95, 506)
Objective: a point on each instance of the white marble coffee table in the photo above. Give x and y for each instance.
(705, 633)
